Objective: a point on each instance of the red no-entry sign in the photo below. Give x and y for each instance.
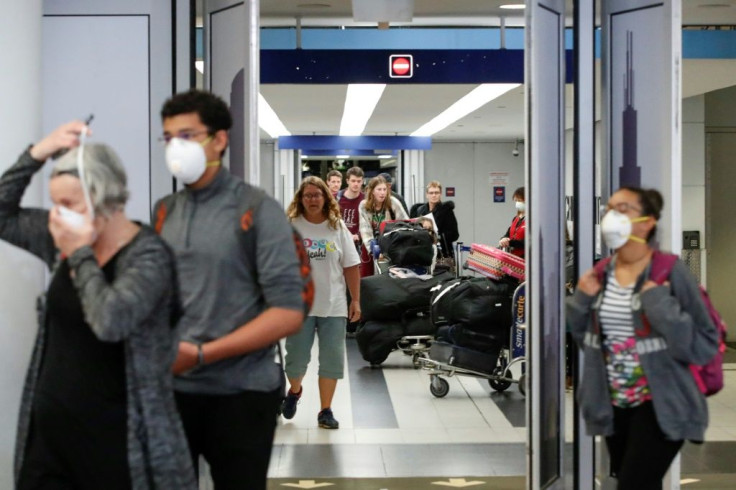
(401, 66)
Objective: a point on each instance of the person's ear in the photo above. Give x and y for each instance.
(220, 140)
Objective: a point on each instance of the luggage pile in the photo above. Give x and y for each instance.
(393, 308)
(474, 319)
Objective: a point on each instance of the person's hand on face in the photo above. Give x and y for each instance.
(68, 237)
(64, 137)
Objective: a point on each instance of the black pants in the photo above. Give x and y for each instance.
(640, 454)
(234, 433)
(72, 454)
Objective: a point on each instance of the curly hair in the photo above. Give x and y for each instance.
(370, 203)
(330, 210)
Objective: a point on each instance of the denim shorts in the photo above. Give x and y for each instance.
(330, 333)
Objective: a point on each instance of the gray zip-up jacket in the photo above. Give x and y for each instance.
(682, 333)
(227, 280)
(136, 310)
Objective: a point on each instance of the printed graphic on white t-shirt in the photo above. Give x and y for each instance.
(329, 251)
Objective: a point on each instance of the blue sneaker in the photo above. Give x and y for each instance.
(326, 420)
(288, 406)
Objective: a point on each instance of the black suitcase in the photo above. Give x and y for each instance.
(473, 360)
(464, 337)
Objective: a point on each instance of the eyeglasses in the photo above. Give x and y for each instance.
(184, 135)
(432, 193)
(621, 207)
(312, 197)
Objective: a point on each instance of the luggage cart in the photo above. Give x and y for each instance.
(440, 363)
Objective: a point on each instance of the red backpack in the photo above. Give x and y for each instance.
(709, 376)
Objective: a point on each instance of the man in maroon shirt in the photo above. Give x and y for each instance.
(349, 200)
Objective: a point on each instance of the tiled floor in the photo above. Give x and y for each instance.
(392, 427)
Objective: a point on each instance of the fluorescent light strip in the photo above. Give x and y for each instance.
(478, 97)
(360, 102)
(269, 121)
(513, 6)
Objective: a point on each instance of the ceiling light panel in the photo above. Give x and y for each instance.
(360, 101)
(269, 121)
(474, 100)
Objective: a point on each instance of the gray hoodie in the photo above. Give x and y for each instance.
(223, 284)
(682, 334)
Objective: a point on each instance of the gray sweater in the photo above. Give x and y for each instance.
(228, 280)
(682, 334)
(135, 309)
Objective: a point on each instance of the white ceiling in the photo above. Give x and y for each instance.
(317, 109)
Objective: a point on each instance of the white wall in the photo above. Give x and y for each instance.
(22, 275)
(466, 166)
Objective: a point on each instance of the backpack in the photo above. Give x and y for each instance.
(248, 207)
(708, 377)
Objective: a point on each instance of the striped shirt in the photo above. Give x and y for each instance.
(627, 383)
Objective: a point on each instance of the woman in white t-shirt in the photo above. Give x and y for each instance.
(334, 261)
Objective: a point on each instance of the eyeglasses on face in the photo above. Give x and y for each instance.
(184, 135)
(622, 207)
(433, 193)
(312, 197)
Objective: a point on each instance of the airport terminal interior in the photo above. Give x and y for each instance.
(396, 431)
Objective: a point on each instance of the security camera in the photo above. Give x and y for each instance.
(515, 151)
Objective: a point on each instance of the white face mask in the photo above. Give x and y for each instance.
(186, 160)
(520, 206)
(616, 229)
(74, 218)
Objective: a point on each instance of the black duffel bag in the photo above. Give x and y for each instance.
(376, 340)
(384, 298)
(407, 244)
(478, 303)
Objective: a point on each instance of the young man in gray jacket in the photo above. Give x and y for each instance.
(241, 290)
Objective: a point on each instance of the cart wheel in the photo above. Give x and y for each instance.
(439, 387)
(522, 384)
(498, 384)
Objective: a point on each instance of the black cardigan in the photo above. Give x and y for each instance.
(444, 216)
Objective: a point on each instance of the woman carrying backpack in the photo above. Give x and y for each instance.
(639, 337)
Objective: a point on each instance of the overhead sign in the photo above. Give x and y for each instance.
(400, 66)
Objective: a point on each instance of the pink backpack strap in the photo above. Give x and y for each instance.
(600, 268)
(661, 266)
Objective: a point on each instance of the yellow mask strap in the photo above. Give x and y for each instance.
(213, 163)
(640, 219)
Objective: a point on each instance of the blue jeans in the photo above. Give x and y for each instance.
(330, 332)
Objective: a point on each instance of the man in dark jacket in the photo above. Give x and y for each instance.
(444, 217)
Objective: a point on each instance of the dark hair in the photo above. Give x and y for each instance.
(387, 177)
(334, 173)
(519, 193)
(211, 109)
(355, 172)
(651, 202)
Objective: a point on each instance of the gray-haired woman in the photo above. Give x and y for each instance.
(98, 408)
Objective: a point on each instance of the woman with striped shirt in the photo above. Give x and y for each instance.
(639, 338)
